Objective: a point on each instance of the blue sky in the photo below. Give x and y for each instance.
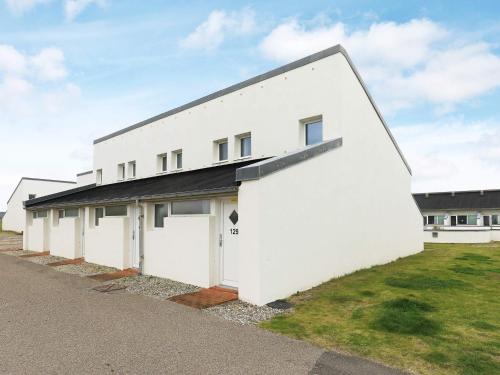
(74, 70)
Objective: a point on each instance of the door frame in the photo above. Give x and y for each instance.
(135, 256)
(223, 202)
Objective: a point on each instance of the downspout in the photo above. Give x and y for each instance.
(140, 217)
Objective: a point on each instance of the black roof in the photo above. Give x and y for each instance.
(211, 180)
(478, 199)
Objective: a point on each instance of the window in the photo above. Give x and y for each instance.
(131, 169)
(98, 176)
(222, 150)
(201, 207)
(121, 171)
(162, 163)
(71, 212)
(495, 219)
(60, 214)
(314, 132)
(31, 196)
(425, 220)
(177, 159)
(246, 146)
(440, 219)
(99, 214)
(161, 212)
(471, 219)
(430, 220)
(462, 220)
(116, 210)
(39, 214)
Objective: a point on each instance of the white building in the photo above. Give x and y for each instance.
(461, 216)
(29, 188)
(260, 186)
(85, 178)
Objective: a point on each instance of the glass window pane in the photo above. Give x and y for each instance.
(160, 213)
(430, 219)
(179, 160)
(41, 214)
(191, 207)
(440, 220)
(34, 214)
(31, 196)
(71, 212)
(495, 219)
(99, 213)
(116, 211)
(223, 154)
(314, 133)
(246, 146)
(462, 220)
(164, 163)
(472, 219)
(60, 214)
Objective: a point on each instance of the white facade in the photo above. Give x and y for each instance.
(85, 178)
(14, 219)
(277, 233)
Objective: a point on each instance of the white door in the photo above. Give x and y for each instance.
(229, 243)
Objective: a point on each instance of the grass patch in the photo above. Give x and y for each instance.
(419, 282)
(429, 312)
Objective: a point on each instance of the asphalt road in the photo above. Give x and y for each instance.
(53, 323)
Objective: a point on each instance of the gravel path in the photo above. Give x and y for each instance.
(243, 313)
(155, 286)
(18, 253)
(44, 259)
(85, 269)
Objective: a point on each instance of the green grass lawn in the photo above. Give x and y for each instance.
(437, 312)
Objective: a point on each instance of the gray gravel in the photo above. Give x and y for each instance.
(44, 259)
(155, 286)
(85, 269)
(243, 313)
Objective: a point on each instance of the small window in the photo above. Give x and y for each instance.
(162, 163)
(39, 214)
(471, 219)
(116, 211)
(60, 214)
(222, 150)
(131, 169)
(425, 220)
(31, 196)
(99, 214)
(35, 214)
(121, 171)
(178, 160)
(462, 220)
(314, 132)
(71, 212)
(201, 207)
(98, 176)
(431, 219)
(495, 219)
(161, 212)
(434, 234)
(246, 146)
(440, 219)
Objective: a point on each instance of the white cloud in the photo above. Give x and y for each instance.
(18, 7)
(72, 8)
(404, 64)
(211, 33)
(11, 60)
(452, 155)
(49, 65)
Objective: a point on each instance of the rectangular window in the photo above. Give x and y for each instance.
(425, 220)
(440, 219)
(161, 212)
(201, 207)
(34, 214)
(31, 196)
(39, 214)
(162, 163)
(430, 220)
(121, 171)
(471, 219)
(131, 169)
(71, 212)
(223, 151)
(99, 214)
(314, 132)
(462, 220)
(495, 219)
(246, 146)
(60, 214)
(178, 160)
(116, 210)
(98, 176)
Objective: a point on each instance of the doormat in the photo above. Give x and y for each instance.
(109, 288)
(35, 255)
(205, 298)
(65, 262)
(114, 275)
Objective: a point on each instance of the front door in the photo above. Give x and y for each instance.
(486, 221)
(229, 243)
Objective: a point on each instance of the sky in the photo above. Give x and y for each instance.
(72, 71)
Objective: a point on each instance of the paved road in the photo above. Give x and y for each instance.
(53, 323)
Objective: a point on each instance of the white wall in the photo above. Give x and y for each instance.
(347, 209)
(66, 238)
(479, 235)
(109, 243)
(38, 236)
(495, 234)
(85, 179)
(14, 218)
(182, 250)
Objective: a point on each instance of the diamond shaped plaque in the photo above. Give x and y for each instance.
(233, 217)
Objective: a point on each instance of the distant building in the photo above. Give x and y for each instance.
(460, 216)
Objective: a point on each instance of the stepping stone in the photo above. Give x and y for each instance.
(35, 255)
(114, 275)
(65, 262)
(205, 298)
